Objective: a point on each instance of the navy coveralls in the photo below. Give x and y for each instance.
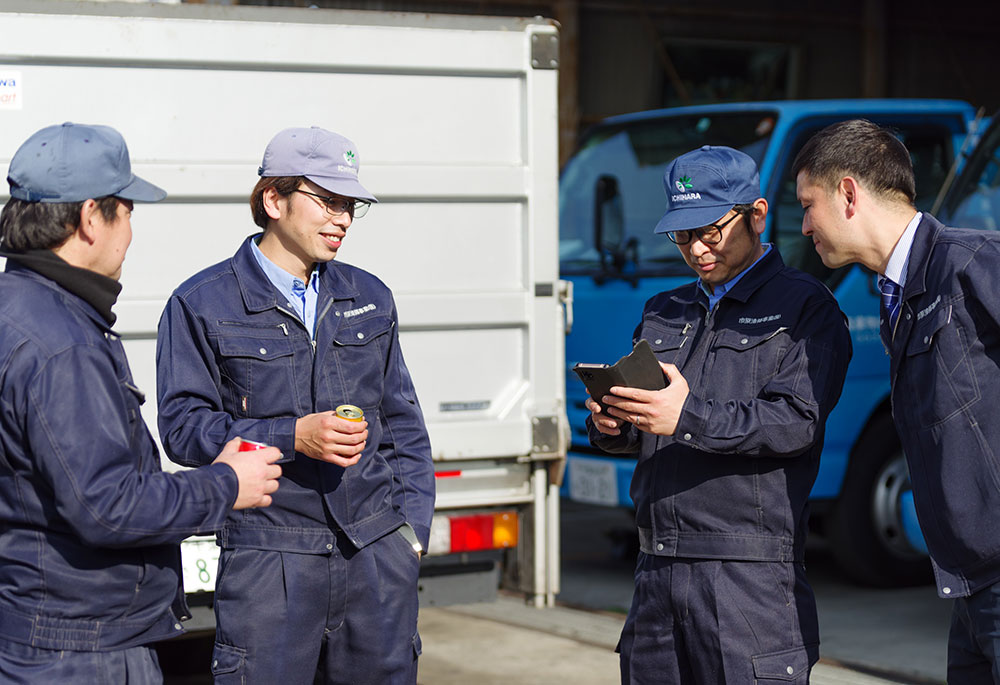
(945, 393)
(319, 580)
(721, 595)
(89, 525)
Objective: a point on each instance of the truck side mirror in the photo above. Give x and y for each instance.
(609, 216)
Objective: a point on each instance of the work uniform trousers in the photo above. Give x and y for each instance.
(974, 641)
(349, 617)
(25, 665)
(712, 622)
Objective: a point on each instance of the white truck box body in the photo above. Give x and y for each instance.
(456, 130)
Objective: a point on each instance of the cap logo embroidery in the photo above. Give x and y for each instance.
(682, 184)
(349, 158)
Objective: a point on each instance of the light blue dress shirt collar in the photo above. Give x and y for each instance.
(302, 298)
(721, 290)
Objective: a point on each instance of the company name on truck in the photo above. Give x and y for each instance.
(10, 90)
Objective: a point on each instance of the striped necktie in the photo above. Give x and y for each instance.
(890, 299)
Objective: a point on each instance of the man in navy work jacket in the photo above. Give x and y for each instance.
(267, 344)
(941, 325)
(89, 525)
(755, 354)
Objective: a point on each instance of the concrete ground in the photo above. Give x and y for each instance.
(507, 642)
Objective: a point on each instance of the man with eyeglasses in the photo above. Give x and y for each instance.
(267, 345)
(755, 354)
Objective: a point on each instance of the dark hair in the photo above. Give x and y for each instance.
(871, 154)
(45, 225)
(746, 211)
(284, 185)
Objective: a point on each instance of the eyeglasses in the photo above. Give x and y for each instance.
(338, 205)
(710, 235)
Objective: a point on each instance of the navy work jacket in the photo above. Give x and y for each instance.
(764, 368)
(945, 396)
(89, 525)
(232, 359)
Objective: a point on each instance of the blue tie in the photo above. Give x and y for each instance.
(890, 299)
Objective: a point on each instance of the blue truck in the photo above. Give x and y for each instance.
(611, 196)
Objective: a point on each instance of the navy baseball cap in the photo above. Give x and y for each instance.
(327, 159)
(704, 184)
(76, 162)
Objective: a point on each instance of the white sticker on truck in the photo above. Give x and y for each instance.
(593, 481)
(10, 90)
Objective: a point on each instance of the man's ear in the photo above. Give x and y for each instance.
(850, 193)
(758, 220)
(88, 226)
(275, 204)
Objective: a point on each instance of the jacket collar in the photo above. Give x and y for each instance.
(923, 241)
(759, 274)
(98, 291)
(259, 294)
(917, 265)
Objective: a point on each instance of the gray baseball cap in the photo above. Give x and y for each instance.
(327, 159)
(76, 162)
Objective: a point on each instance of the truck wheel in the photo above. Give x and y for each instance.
(865, 526)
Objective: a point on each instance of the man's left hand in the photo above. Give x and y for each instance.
(652, 411)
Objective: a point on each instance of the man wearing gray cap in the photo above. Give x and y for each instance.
(271, 344)
(755, 354)
(89, 525)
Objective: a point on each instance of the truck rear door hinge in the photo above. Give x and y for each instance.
(544, 51)
(545, 435)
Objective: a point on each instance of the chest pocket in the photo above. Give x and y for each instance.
(364, 332)
(360, 350)
(254, 369)
(139, 435)
(753, 355)
(667, 342)
(936, 371)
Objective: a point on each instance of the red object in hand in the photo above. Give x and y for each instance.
(251, 445)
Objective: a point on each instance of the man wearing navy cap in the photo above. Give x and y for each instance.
(755, 354)
(89, 525)
(323, 587)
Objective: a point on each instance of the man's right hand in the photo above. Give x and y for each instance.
(605, 423)
(256, 472)
(327, 437)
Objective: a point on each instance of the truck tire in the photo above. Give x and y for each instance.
(865, 526)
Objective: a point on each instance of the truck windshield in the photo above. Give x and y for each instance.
(975, 200)
(617, 177)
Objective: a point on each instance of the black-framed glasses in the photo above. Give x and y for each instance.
(338, 205)
(710, 235)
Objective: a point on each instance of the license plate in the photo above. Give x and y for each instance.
(199, 562)
(593, 481)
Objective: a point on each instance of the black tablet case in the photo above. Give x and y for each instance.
(638, 369)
